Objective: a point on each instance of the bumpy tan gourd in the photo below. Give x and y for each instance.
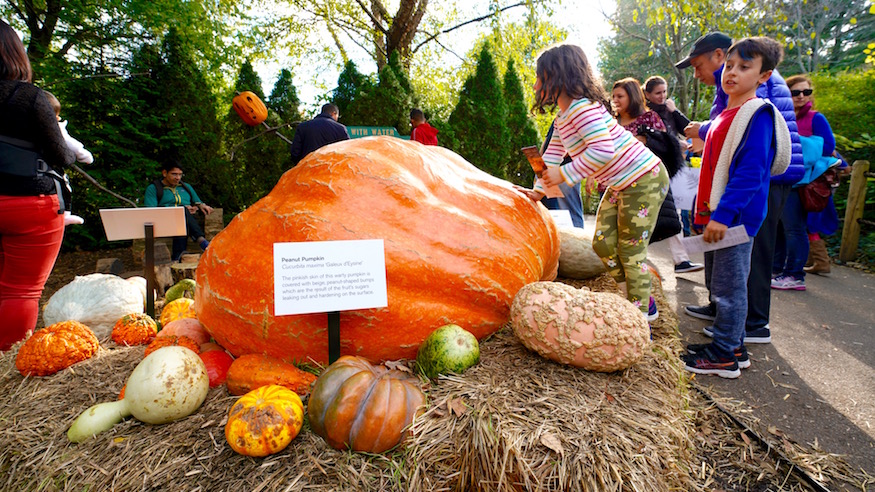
(598, 331)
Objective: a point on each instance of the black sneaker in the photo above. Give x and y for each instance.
(741, 354)
(707, 312)
(705, 362)
(688, 266)
(760, 335)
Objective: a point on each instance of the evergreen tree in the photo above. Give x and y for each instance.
(284, 98)
(520, 126)
(258, 163)
(351, 85)
(191, 133)
(479, 119)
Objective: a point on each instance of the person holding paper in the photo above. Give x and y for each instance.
(601, 149)
(734, 190)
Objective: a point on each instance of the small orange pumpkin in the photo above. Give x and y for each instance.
(264, 421)
(250, 108)
(134, 329)
(355, 405)
(178, 309)
(171, 340)
(251, 371)
(56, 347)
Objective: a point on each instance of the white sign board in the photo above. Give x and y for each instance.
(326, 276)
(562, 218)
(129, 223)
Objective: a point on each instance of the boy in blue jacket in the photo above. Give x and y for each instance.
(746, 144)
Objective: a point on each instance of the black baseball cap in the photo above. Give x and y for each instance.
(705, 44)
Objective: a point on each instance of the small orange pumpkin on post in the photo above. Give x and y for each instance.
(250, 108)
(264, 421)
(355, 405)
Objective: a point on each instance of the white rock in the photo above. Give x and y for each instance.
(97, 300)
(577, 260)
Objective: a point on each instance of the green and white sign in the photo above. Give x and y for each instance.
(373, 131)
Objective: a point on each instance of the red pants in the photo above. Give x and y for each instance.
(31, 231)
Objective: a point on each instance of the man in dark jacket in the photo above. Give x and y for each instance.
(706, 58)
(318, 132)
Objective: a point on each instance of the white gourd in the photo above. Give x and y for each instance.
(97, 301)
(169, 384)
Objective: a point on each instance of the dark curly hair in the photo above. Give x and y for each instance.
(768, 49)
(565, 68)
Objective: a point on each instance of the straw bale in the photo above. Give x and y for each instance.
(514, 422)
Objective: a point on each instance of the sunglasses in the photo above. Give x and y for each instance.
(804, 92)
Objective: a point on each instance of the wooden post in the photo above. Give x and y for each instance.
(854, 211)
(333, 336)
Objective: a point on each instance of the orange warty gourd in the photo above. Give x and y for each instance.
(134, 329)
(459, 244)
(252, 371)
(171, 340)
(178, 309)
(56, 347)
(250, 108)
(355, 405)
(264, 421)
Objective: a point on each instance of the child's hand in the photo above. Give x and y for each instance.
(533, 195)
(714, 231)
(551, 176)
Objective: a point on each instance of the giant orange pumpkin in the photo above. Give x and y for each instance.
(459, 244)
(355, 405)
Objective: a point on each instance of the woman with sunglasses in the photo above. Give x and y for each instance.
(798, 228)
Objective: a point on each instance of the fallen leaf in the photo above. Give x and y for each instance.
(774, 431)
(552, 442)
(397, 365)
(457, 407)
(745, 438)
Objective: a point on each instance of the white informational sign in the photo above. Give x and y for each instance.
(684, 185)
(326, 276)
(562, 218)
(129, 223)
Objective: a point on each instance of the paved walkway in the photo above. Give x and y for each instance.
(816, 381)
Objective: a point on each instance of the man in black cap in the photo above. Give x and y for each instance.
(706, 58)
(318, 132)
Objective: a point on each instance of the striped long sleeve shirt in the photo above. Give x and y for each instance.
(599, 147)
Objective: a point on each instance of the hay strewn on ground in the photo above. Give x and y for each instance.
(514, 422)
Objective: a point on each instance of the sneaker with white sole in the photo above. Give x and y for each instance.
(741, 355)
(652, 312)
(708, 312)
(788, 282)
(759, 335)
(707, 362)
(688, 266)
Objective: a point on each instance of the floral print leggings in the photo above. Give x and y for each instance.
(624, 223)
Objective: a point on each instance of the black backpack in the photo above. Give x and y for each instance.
(159, 188)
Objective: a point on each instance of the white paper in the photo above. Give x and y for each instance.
(562, 218)
(684, 186)
(129, 223)
(734, 236)
(326, 276)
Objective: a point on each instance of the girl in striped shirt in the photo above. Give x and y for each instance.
(602, 150)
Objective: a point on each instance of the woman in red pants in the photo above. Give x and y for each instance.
(32, 154)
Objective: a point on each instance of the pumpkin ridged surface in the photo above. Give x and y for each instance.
(458, 244)
(264, 421)
(134, 329)
(357, 406)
